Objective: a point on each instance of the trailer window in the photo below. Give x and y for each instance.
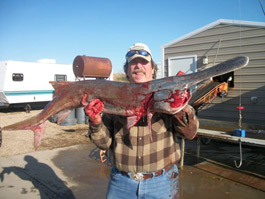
(17, 77)
(59, 78)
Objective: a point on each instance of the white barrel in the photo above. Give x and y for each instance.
(80, 115)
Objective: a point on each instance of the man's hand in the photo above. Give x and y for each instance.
(185, 115)
(93, 110)
(187, 122)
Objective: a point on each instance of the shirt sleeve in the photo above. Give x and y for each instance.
(186, 123)
(100, 134)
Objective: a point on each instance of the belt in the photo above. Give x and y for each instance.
(144, 176)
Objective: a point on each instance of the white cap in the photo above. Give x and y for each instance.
(140, 46)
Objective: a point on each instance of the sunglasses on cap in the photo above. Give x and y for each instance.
(140, 52)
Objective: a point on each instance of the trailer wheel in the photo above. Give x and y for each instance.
(28, 108)
(0, 137)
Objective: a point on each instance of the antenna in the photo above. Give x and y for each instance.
(262, 7)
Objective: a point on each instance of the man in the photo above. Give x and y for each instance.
(141, 167)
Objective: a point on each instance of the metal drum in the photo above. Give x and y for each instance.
(70, 120)
(80, 115)
(85, 66)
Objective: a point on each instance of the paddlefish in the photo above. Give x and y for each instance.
(133, 100)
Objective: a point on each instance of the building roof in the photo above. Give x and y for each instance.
(215, 23)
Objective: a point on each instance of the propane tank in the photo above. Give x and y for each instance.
(85, 66)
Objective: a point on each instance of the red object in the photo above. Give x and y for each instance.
(178, 99)
(181, 73)
(93, 109)
(240, 107)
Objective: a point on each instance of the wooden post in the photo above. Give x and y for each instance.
(182, 152)
(198, 148)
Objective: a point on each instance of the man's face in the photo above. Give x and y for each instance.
(140, 71)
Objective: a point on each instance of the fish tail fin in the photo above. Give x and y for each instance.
(38, 134)
(30, 124)
(23, 125)
(59, 86)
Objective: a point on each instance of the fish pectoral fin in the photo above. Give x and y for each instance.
(132, 120)
(62, 115)
(39, 131)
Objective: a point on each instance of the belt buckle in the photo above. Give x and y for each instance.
(137, 176)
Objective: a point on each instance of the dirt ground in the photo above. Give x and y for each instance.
(19, 142)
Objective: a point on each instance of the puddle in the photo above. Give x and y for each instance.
(199, 179)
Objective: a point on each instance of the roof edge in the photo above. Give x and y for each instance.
(215, 23)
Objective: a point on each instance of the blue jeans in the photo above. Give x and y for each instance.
(163, 186)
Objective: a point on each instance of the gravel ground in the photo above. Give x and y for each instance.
(19, 142)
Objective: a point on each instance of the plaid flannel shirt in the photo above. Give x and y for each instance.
(133, 151)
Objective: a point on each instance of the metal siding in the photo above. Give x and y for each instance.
(230, 107)
(249, 118)
(254, 78)
(235, 101)
(252, 85)
(258, 34)
(232, 41)
(246, 93)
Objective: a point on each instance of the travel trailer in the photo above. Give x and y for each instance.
(23, 83)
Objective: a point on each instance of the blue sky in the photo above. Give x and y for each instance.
(62, 29)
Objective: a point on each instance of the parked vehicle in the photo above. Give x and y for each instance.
(28, 82)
